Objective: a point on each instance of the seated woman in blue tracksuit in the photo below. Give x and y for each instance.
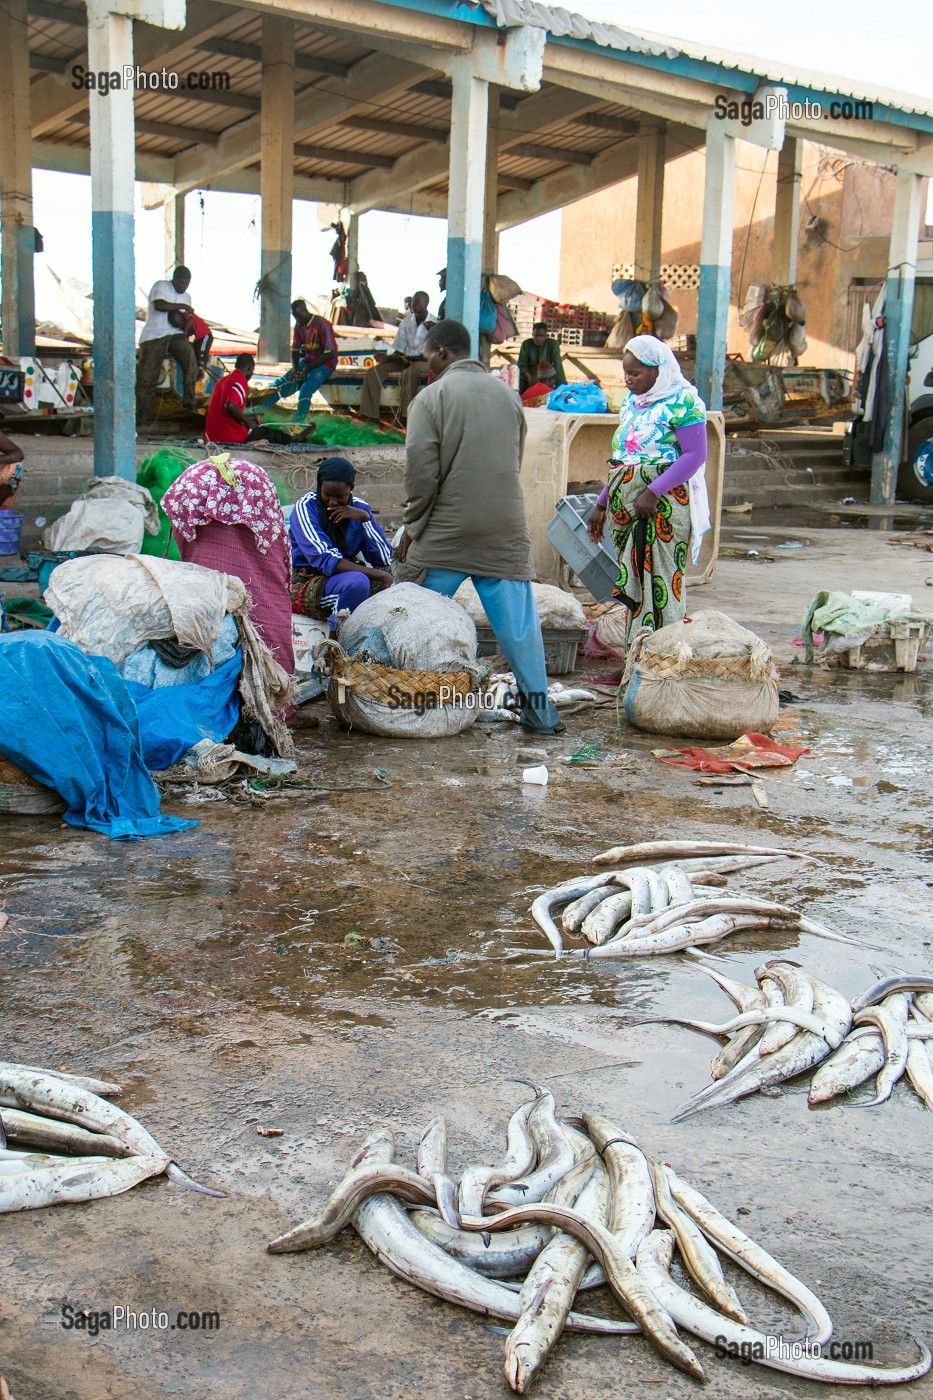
(329, 529)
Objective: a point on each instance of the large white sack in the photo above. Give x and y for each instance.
(110, 606)
(112, 516)
(423, 631)
(736, 692)
(558, 610)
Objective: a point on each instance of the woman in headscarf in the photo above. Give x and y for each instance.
(656, 491)
(226, 515)
(329, 529)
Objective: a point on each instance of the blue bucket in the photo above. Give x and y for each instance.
(11, 527)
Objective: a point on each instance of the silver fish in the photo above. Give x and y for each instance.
(797, 991)
(577, 910)
(432, 1165)
(891, 1019)
(889, 985)
(700, 1259)
(679, 850)
(519, 1157)
(73, 1179)
(857, 1059)
(32, 1130)
(756, 1261)
(543, 907)
(654, 1260)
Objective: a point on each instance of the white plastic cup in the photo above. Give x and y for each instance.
(537, 776)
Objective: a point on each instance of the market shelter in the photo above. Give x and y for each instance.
(489, 113)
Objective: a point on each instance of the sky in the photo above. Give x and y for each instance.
(400, 254)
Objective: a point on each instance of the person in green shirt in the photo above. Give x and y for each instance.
(540, 347)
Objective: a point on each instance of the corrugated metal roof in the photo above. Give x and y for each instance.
(562, 23)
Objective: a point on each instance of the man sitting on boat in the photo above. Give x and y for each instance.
(314, 357)
(406, 361)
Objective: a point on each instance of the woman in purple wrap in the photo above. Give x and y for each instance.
(655, 496)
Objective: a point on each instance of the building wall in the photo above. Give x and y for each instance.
(848, 205)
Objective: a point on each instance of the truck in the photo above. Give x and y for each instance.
(915, 478)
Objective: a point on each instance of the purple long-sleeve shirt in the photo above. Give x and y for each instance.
(692, 442)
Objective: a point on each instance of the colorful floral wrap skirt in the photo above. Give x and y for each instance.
(652, 553)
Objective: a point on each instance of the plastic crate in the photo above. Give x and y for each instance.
(594, 564)
(560, 648)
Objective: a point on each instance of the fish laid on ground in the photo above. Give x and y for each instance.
(383, 1226)
(857, 1059)
(519, 1157)
(542, 910)
(75, 1179)
(104, 1087)
(679, 850)
(357, 1186)
(796, 990)
(32, 1130)
(673, 939)
(547, 1294)
(700, 1259)
(755, 1260)
(576, 911)
(889, 985)
(635, 1297)
(432, 1165)
(891, 1019)
(556, 1152)
(654, 1260)
(920, 1069)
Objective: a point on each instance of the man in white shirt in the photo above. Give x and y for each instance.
(406, 361)
(159, 338)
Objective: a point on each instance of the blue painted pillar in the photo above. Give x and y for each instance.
(466, 200)
(715, 264)
(17, 234)
(277, 137)
(898, 310)
(113, 169)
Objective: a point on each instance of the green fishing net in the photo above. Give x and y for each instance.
(331, 429)
(157, 473)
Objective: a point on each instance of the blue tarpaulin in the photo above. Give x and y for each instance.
(69, 722)
(173, 718)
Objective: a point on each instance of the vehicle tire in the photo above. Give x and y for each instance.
(915, 479)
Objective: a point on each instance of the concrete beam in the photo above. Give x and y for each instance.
(277, 173)
(374, 79)
(619, 162)
(54, 99)
(304, 62)
(649, 203)
(76, 160)
(343, 155)
(382, 126)
(786, 215)
(715, 263)
(898, 310)
(42, 63)
(17, 231)
(491, 194)
(533, 150)
(420, 167)
(191, 135)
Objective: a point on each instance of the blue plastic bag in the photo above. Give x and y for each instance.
(488, 314)
(629, 294)
(579, 398)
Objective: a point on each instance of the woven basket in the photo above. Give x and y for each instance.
(21, 795)
(385, 685)
(715, 668)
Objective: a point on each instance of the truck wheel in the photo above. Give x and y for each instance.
(915, 479)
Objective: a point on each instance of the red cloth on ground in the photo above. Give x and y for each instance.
(231, 549)
(763, 753)
(220, 426)
(535, 392)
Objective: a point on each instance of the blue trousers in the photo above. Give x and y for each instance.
(510, 606)
(309, 385)
(344, 590)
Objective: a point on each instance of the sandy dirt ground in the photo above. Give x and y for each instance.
(345, 958)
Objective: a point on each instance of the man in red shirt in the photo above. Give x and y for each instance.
(314, 357)
(227, 422)
(536, 395)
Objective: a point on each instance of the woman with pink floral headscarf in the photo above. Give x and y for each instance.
(226, 515)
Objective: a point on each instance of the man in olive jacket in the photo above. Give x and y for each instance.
(464, 511)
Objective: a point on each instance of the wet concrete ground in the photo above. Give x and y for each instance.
(330, 962)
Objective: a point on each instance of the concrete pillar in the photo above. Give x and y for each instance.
(465, 202)
(898, 310)
(490, 232)
(786, 215)
(113, 167)
(715, 264)
(353, 249)
(18, 234)
(276, 181)
(174, 211)
(649, 203)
